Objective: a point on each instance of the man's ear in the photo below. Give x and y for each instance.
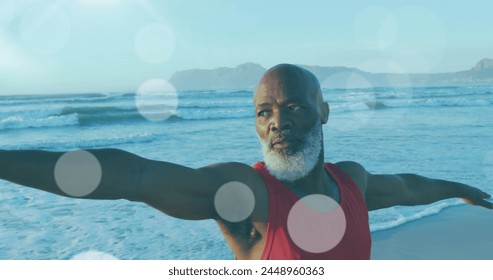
(324, 112)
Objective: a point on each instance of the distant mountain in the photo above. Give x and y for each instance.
(484, 64)
(246, 76)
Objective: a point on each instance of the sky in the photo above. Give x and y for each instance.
(65, 46)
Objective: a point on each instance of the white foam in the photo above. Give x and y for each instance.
(25, 213)
(394, 218)
(26, 121)
(93, 255)
(89, 142)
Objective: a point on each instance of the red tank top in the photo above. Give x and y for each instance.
(356, 240)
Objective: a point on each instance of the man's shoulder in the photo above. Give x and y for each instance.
(356, 172)
(231, 166)
(234, 171)
(350, 167)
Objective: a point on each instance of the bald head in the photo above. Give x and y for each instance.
(291, 78)
(294, 77)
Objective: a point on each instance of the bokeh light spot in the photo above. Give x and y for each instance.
(78, 173)
(93, 255)
(316, 223)
(155, 43)
(234, 201)
(157, 100)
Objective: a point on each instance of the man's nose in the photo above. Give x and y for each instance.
(281, 121)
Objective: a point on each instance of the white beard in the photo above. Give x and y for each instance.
(294, 166)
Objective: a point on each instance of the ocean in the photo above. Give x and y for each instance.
(439, 132)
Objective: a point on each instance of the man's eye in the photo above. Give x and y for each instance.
(263, 113)
(294, 107)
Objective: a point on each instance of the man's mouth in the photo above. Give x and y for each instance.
(283, 142)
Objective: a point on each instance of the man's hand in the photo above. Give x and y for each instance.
(476, 196)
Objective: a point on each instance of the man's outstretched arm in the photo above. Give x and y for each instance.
(177, 190)
(382, 191)
(36, 169)
(411, 189)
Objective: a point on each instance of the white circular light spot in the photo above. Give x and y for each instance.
(234, 201)
(157, 100)
(45, 28)
(316, 223)
(154, 43)
(93, 255)
(78, 173)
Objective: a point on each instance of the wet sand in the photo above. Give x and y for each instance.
(457, 233)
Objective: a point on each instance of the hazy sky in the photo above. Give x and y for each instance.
(114, 45)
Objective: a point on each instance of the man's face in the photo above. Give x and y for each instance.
(288, 124)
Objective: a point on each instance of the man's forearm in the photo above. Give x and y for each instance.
(117, 172)
(426, 190)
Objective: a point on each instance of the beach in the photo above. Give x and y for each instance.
(456, 233)
(435, 132)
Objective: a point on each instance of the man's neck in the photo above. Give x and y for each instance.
(318, 181)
